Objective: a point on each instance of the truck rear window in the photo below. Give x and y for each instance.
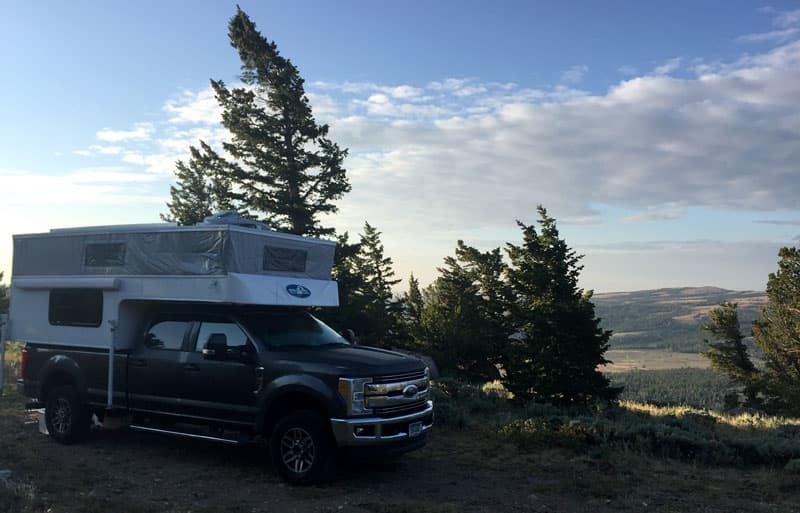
(76, 307)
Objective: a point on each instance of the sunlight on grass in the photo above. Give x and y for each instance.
(740, 420)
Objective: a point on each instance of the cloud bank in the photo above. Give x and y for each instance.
(461, 158)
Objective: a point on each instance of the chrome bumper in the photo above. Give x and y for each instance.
(344, 430)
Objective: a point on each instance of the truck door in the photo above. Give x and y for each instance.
(154, 368)
(223, 385)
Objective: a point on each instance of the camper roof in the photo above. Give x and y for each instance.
(169, 249)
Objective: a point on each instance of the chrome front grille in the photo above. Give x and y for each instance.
(397, 394)
(402, 409)
(406, 376)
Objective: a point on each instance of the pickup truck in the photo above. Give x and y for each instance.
(238, 374)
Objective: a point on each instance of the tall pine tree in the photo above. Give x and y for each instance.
(382, 312)
(202, 187)
(560, 344)
(413, 306)
(350, 312)
(281, 166)
(727, 351)
(464, 323)
(777, 333)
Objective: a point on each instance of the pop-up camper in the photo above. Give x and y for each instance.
(88, 287)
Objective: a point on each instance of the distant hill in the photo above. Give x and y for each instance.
(669, 318)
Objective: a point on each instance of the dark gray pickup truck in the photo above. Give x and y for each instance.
(239, 374)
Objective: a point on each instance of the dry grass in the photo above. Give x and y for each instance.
(625, 360)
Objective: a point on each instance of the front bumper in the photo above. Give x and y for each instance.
(380, 431)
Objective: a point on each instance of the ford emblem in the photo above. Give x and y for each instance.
(298, 291)
(410, 391)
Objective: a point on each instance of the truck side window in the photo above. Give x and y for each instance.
(166, 335)
(236, 337)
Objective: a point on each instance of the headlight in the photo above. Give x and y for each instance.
(352, 391)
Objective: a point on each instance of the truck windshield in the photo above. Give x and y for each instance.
(293, 329)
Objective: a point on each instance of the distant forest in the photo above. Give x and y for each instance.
(670, 318)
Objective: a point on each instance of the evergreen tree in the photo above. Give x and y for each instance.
(350, 313)
(202, 188)
(463, 321)
(413, 306)
(381, 325)
(281, 166)
(729, 353)
(284, 165)
(555, 355)
(777, 333)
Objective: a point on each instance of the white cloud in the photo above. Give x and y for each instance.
(140, 131)
(323, 106)
(787, 23)
(775, 36)
(787, 18)
(404, 91)
(784, 222)
(654, 144)
(106, 150)
(655, 214)
(668, 67)
(194, 107)
(157, 163)
(627, 70)
(574, 74)
(101, 185)
(459, 157)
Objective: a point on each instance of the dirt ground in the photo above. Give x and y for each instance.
(467, 471)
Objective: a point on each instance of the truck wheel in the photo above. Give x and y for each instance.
(302, 448)
(68, 419)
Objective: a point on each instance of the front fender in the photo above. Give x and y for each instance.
(312, 388)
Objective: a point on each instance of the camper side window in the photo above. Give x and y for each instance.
(284, 259)
(104, 255)
(76, 307)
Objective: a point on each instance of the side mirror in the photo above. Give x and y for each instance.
(350, 336)
(216, 347)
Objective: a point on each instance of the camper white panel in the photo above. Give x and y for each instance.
(36, 317)
(278, 290)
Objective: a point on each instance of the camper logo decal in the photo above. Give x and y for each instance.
(298, 291)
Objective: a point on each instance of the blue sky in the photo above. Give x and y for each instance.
(664, 136)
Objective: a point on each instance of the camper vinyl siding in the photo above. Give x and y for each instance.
(177, 251)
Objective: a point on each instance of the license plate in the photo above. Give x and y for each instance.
(414, 429)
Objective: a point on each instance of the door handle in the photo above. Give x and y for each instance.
(138, 362)
(190, 367)
(259, 380)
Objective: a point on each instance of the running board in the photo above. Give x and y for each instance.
(185, 435)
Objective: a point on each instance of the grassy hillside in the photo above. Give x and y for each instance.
(669, 318)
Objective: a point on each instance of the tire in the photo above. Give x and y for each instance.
(302, 448)
(68, 419)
